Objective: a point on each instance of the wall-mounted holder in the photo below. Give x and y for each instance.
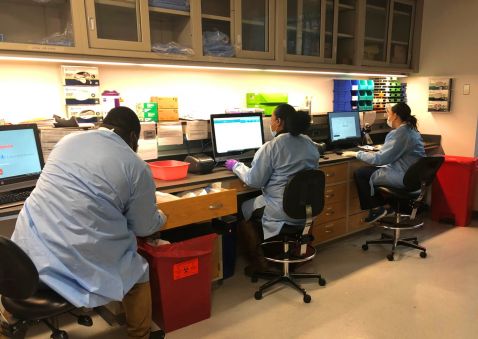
(439, 94)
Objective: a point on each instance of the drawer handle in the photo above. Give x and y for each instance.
(330, 174)
(329, 230)
(330, 195)
(215, 206)
(91, 20)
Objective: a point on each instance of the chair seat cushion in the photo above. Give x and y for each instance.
(45, 303)
(398, 193)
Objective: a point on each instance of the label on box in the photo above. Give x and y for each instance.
(185, 269)
(147, 111)
(80, 76)
(165, 102)
(168, 114)
(86, 95)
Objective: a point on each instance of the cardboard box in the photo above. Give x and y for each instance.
(80, 76)
(165, 102)
(168, 114)
(82, 95)
(147, 111)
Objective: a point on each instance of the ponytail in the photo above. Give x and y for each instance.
(295, 122)
(405, 114)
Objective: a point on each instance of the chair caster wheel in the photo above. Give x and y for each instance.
(59, 335)
(258, 295)
(390, 257)
(415, 242)
(307, 298)
(254, 279)
(423, 254)
(85, 320)
(365, 247)
(322, 282)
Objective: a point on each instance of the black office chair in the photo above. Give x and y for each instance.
(405, 203)
(303, 199)
(26, 298)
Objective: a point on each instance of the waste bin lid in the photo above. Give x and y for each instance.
(470, 161)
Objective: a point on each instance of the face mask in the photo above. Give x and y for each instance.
(273, 133)
(389, 123)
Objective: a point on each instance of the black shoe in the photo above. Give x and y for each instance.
(376, 214)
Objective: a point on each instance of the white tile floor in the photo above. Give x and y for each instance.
(366, 296)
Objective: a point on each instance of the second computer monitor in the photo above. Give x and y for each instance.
(236, 135)
(344, 129)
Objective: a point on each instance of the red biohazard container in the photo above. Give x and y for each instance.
(180, 277)
(453, 190)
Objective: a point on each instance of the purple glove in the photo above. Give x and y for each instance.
(230, 164)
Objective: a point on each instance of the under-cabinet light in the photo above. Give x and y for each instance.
(211, 68)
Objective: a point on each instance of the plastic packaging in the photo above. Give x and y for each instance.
(171, 47)
(64, 38)
(217, 44)
(181, 5)
(169, 169)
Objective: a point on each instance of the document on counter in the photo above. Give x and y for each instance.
(196, 130)
(170, 133)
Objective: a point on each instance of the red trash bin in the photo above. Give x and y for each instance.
(180, 277)
(453, 189)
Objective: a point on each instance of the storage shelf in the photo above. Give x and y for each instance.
(346, 7)
(169, 11)
(402, 43)
(117, 3)
(254, 23)
(345, 36)
(376, 8)
(216, 17)
(402, 13)
(374, 39)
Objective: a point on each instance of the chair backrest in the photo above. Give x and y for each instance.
(304, 188)
(18, 275)
(422, 172)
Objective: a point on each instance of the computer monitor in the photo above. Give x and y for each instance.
(21, 158)
(344, 129)
(236, 135)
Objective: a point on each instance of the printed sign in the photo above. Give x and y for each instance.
(185, 269)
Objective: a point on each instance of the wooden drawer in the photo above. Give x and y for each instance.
(332, 211)
(330, 230)
(202, 208)
(335, 193)
(356, 222)
(238, 185)
(335, 173)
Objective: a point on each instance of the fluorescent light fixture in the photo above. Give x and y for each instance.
(192, 67)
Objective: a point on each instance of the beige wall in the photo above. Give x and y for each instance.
(449, 49)
(30, 90)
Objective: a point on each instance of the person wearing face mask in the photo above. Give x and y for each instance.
(80, 223)
(403, 146)
(289, 152)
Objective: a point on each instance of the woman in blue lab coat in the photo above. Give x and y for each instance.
(289, 152)
(403, 147)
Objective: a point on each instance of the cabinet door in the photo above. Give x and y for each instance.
(38, 25)
(118, 24)
(346, 28)
(255, 23)
(305, 30)
(171, 27)
(401, 28)
(217, 27)
(376, 30)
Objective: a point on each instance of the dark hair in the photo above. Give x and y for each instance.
(405, 114)
(295, 122)
(123, 121)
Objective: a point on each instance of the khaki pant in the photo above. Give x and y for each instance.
(137, 307)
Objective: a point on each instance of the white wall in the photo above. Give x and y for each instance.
(449, 49)
(34, 90)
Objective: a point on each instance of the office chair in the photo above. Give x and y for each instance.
(303, 199)
(26, 298)
(405, 203)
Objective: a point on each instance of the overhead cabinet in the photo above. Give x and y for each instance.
(296, 33)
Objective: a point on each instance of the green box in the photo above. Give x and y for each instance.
(148, 111)
(267, 101)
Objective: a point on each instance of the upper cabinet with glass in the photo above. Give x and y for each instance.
(118, 24)
(171, 27)
(46, 25)
(240, 28)
(388, 32)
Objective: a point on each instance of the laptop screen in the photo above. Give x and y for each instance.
(21, 159)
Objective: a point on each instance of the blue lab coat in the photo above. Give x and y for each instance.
(402, 148)
(273, 164)
(79, 225)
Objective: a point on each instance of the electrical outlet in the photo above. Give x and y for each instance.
(466, 89)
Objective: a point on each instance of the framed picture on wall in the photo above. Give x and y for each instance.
(439, 98)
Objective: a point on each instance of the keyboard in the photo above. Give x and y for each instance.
(14, 198)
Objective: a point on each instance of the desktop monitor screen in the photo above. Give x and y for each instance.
(344, 128)
(21, 158)
(236, 135)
